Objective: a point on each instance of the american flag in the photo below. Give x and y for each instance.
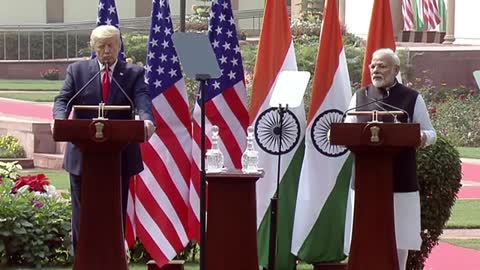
(407, 12)
(225, 102)
(107, 15)
(430, 14)
(162, 188)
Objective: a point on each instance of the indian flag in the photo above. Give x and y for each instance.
(275, 54)
(418, 10)
(318, 232)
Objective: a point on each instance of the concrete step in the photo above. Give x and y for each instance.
(26, 163)
(48, 161)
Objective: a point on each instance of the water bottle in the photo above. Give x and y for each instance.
(214, 156)
(250, 155)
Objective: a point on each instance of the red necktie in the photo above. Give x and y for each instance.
(106, 84)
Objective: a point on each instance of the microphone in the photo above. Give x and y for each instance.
(377, 102)
(381, 101)
(357, 107)
(132, 106)
(83, 88)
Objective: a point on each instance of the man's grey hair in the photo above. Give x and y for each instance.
(104, 32)
(390, 53)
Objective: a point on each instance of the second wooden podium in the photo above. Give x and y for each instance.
(375, 145)
(232, 221)
(101, 239)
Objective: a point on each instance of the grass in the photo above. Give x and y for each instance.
(465, 215)
(30, 85)
(37, 97)
(58, 178)
(466, 243)
(469, 152)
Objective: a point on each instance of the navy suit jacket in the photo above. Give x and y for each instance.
(131, 78)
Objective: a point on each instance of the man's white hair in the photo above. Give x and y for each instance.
(103, 32)
(390, 53)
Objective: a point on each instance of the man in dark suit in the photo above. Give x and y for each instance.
(115, 83)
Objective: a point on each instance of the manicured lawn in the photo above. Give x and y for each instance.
(465, 214)
(469, 152)
(58, 178)
(29, 85)
(34, 96)
(467, 243)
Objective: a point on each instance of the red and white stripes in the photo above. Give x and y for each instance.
(407, 12)
(162, 188)
(431, 17)
(228, 112)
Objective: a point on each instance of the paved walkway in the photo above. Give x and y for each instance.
(461, 234)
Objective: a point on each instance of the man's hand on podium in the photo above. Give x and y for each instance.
(149, 129)
(423, 139)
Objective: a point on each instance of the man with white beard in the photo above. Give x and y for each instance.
(392, 96)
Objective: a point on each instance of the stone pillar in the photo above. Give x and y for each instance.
(397, 18)
(143, 8)
(296, 9)
(450, 35)
(341, 12)
(235, 5)
(55, 11)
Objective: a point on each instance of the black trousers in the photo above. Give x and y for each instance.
(76, 195)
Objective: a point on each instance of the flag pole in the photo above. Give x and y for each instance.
(272, 248)
(202, 78)
(183, 5)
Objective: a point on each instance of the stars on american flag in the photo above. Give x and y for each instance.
(222, 34)
(107, 15)
(163, 67)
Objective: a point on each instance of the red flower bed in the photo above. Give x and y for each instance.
(35, 183)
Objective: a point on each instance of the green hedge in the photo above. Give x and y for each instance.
(10, 147)
(439, 175)
(40, 49)
(455, 114)
(34, 227)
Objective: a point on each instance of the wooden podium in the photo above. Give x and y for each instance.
(232, 221)
(101, 239)
(375, 145)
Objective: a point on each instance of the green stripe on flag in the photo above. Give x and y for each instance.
(442, 10)
(286, 213)
(418, 13)
(325, 241)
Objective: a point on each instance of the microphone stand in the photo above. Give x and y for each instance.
(272, 247)
(202, 78)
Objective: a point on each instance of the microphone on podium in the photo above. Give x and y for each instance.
(378, 103)
(132, 106)
(83, 88)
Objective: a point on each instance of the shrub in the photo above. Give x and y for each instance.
(195, 22)
(135, 45)
(439, 175)
(41, 45)
(9, 170)
(34, 226)
(51, 74)
(310, 26)
(10, 147)
(455, 115)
